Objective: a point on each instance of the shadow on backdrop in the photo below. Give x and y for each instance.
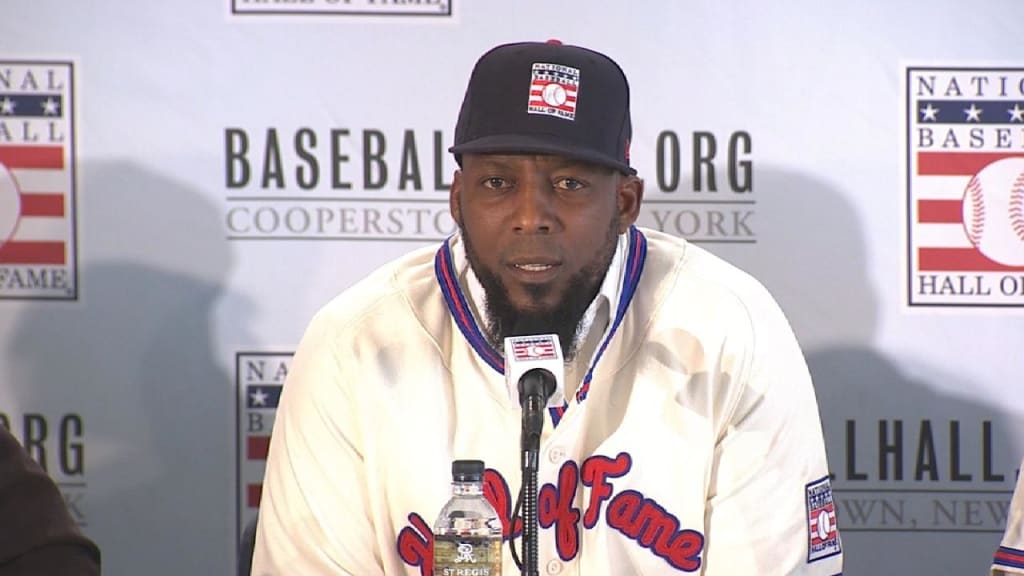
(135, 357)
(878, 413)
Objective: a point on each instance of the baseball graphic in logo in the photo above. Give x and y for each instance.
(823, 525)
(554, 95)
(993, 209)
(10, 204)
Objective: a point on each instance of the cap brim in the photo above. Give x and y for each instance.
(535, 144)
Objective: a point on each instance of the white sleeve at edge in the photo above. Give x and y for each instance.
(1009, 558)
(314, 516)
(772, 449)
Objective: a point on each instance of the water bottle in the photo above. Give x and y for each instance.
(467, 534)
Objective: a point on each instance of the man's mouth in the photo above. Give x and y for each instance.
(534, 270)
(534, 267)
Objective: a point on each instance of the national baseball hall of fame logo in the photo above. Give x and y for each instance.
(259, 378)
(965, 186)
(37, 181)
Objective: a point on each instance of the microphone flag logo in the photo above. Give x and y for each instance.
(534, 348)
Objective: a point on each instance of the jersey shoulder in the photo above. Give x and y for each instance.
(385, 299)
(697, 284)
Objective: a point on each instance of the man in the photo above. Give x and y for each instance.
(37, 534)
(688, 440)
(1009, 558)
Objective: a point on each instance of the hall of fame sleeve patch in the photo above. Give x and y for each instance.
(822, 529)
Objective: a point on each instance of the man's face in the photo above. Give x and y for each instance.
(540, 232)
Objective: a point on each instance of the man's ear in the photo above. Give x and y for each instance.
(629, 194)
(453, 198)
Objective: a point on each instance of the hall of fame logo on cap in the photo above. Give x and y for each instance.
(342, 7)
(965, 186)
(822, 529)
(554, 89)
(259, 379)
(37, 181)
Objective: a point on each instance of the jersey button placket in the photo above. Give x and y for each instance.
(556, 455)
(553, 567)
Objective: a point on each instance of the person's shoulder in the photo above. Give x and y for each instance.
(38, 535)
(703, 288)
(692, 267)
(387, 290)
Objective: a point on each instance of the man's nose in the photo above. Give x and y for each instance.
(534, 208)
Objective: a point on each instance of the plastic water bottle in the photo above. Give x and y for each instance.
(467, 534)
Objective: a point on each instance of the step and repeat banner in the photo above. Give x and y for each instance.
(183, 184)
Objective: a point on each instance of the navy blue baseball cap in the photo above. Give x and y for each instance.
(546, 98)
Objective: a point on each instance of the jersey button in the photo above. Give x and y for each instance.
(554, 567)
(556, 455)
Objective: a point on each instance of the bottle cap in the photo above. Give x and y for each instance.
(467, 470)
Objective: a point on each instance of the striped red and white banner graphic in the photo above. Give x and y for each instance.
(941, 240)
(40, 178)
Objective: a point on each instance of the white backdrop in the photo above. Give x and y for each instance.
(207, 175)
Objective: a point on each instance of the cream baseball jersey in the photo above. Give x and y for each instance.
(691, 445)
(1009, 558)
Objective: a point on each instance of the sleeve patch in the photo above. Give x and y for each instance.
(822, 529)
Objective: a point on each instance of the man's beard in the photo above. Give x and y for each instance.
(564, 319)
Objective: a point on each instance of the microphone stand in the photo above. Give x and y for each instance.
(532, 388)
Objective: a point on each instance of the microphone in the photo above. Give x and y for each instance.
(534, 372)
(535, 387)
(532, 361)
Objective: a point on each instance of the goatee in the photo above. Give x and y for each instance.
(564, 319)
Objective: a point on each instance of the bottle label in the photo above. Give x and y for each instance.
(467, 556)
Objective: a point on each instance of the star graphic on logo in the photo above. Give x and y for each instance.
(928, 113)
(50, 107)
(1016, 113)
(973, 113)
(259, 398)
(7, 106)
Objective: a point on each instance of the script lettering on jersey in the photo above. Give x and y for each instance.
(554, 508)
(629, 512)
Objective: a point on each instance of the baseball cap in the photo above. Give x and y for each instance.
(546, 98)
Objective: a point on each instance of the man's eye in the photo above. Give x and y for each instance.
(569, 184)
(495, 183)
